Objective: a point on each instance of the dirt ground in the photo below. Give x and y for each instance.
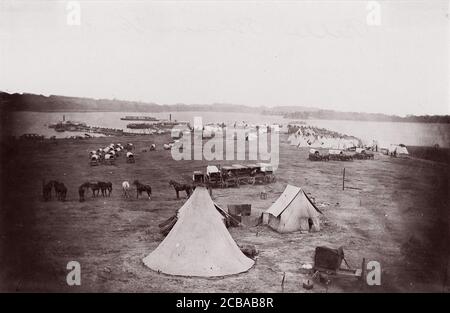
(398, 216)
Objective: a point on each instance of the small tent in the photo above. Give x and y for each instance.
(292, 211)
(398, 150)
(199, 243)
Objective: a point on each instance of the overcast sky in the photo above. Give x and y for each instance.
(322, 54)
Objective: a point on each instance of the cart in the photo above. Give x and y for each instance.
(314, 155)
(198, 178)
(229, 176)
(244, 174)
(213, 176)
(256, 175)
(267, 170)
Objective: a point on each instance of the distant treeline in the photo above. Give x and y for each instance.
(358, 116)
(40, 103)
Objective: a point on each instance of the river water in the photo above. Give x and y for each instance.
(417, 134)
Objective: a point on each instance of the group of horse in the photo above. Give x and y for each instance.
(96, 187)
(105, 189)
(60, 190)
(140, 188)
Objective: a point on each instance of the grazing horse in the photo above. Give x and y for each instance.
(125, 188)
(61, 191)
(82, 189)
(95, 188)
(109, 188)
(105, 187)
(180, 187)
(141, 187)
(81, 192)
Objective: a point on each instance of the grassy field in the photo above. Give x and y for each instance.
(398, 216)
(430, 153)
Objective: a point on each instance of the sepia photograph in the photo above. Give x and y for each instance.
(241, 148)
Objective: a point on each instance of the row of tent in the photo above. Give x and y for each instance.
(297, 140)
(199, 244)
(323, 142)
(211, 130)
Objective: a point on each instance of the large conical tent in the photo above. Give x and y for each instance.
(199, 244)
(292, 211)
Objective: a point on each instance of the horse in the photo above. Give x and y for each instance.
(81, 193)
(141, 187)
(180, 187)
(47, 189)
(105, 187)
(94, 187)
(109, 188)
(61, 191)
(125, 188)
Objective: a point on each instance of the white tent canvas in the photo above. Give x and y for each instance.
(400, 151)
(292, 211)
(199, 243)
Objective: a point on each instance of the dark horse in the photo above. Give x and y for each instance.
(141, 187)
(47, 189)
(82, 189)
(105, 187)
(180, 187)
(94, 187)
(61, 191)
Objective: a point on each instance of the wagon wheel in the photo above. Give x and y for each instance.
(252, 180)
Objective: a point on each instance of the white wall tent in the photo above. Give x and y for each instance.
(399, 150)
(292, 211)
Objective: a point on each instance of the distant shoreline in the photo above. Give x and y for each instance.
(27, 102)
(260, 113)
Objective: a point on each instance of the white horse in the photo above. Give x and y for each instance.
(126, 188)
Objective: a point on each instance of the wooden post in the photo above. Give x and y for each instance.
(343, 179)
(282, 282)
